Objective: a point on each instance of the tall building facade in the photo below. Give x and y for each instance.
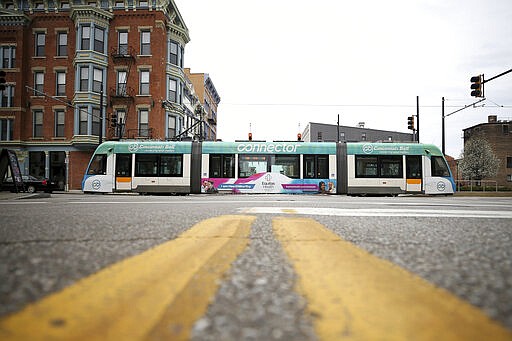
(499, 135)
(81, 71)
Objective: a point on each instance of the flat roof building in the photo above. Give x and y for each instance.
(317, 132)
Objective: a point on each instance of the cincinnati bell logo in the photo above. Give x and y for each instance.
(367, 149)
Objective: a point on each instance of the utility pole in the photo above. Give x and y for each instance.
(101, 117)
(338, 129)
(418, 119)
(442, 126)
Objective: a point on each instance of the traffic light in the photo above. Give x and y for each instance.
(2, 80)
(113, 120)
(250, 136)
(410, 122)
(299, 137)
(476, 86)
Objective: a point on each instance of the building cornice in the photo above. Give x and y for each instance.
(81, 13)
(13, 18)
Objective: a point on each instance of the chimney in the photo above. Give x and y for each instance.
(360, 124)
(492, 119)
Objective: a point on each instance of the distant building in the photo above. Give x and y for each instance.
(499, 135)
(317, 132)
(209, 100)
(68, 52)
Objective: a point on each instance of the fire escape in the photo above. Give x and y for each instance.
(121, 94)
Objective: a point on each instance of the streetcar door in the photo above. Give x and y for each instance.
(413, 173)
(123, 172)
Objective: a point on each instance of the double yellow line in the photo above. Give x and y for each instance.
(159, 294)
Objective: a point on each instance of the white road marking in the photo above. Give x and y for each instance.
(374, 212)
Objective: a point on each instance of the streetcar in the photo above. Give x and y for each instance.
(292, 167)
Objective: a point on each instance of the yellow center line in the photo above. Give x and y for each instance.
(134, 299)
(354, 295)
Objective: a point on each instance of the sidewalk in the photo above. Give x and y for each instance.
(6, 195)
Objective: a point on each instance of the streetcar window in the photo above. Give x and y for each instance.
(439, 166)
(171, 165)
(413, 166)
(286, 164)
(251, 164)
(391, 166)
(385, 166)
(124, 165)
(146, 165)
(98, 165)
(222, 165)
(316, 166)
(159, 165)
(322, 169)
(366, 167)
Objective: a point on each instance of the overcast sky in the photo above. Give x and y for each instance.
(279, 64)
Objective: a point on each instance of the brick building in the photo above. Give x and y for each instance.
(74, 67)
(499, 135)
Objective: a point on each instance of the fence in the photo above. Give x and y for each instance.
(477, 185)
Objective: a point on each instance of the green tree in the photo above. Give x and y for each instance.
(478, 159)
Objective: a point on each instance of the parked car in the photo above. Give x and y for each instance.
(31, 184)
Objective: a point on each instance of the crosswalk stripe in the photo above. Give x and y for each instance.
(375, 212)
(354, 295)
(135, 298)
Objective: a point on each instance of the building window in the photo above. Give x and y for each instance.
(38, 83)
(62, 44)
(64, 5)
(38, 123)
(342, 136)
(40, 44)
(6, 129)
(145, 42)
(84, 78)
(37, 163)
(61, 83)
(121, 116)
(99, 39)
(505, 129)
(173, 90)
(143, 122)
(97, 82)
(119, 4)
(83, 120)
(8, 57)
(171, 126)
(174, 53)
(363, 137)
(39, 5)
(123, 43)
(7, 97)
(59, 123)
(144, 82)
(319, 136)
(143, 3)
(96, 121)
(509, 161)
(85, 43)
(121, 83)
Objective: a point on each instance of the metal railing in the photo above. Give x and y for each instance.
(476, 185)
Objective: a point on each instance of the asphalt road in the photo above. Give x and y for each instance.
(459, 245)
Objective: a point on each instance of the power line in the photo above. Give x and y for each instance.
(347, 105)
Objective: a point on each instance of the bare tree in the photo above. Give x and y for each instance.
(478, 159)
